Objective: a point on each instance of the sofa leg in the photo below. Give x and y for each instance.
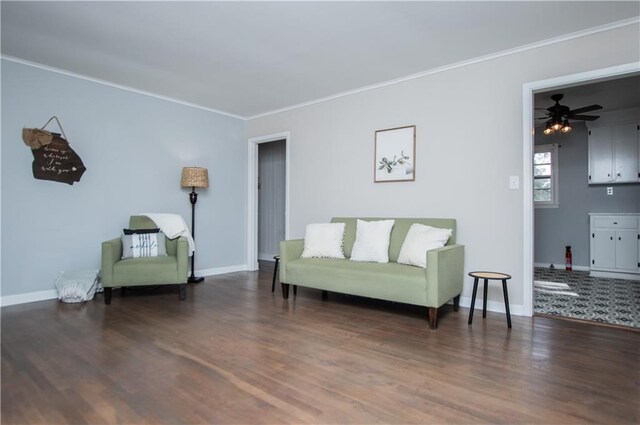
(107, 296)
(285, 291)
(295, 290)
(325, 295)
(433, 317)
(183, 291)
(456, 303)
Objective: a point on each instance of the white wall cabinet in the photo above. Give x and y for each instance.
(615, 245)
(614, 153)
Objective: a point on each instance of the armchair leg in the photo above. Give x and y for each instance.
(183, 291)
(285, 291)
(107, 296)
(456, 303)
(433, 318)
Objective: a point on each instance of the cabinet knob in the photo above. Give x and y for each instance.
(608, 175)
(619, 238)
(618, 174)
(611, 238)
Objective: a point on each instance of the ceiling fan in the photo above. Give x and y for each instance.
(558, 115)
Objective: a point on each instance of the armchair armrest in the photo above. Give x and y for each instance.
(289, 250)
(182, 257)
(111, 253)
(445, 273)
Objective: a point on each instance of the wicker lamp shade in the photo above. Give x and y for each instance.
(194, 177)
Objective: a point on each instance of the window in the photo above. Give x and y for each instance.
(545, 176)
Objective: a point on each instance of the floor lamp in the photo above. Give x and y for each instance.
(194, 177)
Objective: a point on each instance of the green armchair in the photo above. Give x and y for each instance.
(166, 270)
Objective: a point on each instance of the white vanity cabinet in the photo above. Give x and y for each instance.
(614, 153)
(615, 245)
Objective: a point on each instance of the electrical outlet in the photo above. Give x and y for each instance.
(609, 191)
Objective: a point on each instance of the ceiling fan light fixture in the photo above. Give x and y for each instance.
(557, 124)
(558, 115)
(566, 127)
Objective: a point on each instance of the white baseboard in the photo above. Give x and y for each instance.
(50, 294)
(562, 266)
(222, 270)
(495, 306)
(28, 297)
(266, 257)
(615, 275)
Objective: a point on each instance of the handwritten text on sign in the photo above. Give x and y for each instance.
(57, 162)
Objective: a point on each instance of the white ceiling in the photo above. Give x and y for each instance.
(248, 58)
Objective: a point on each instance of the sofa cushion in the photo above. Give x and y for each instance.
(323, 240)
(156, 270)
(372, 241)
(418, 241)
(390, 281)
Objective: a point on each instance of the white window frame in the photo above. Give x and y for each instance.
(554, 202)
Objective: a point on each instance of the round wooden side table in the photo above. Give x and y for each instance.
(487, 276)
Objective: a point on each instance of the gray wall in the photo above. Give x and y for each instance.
(469, 141)
(134, 147)
(271, 198)
(569, 223)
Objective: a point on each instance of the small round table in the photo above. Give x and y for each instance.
(487, 276)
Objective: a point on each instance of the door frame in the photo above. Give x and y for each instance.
(528, 92)
(252, 193)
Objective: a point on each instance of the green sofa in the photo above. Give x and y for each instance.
(432, 287)
(167, 270)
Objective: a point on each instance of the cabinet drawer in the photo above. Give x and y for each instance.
(615, 222)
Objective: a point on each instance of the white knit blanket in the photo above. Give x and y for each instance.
(173, 225)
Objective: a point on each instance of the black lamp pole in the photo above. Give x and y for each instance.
(193, 197)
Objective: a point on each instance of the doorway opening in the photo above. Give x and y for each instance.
(271, 194)
(559, 199)
(268, 197)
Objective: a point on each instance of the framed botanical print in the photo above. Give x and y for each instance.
(395, 155)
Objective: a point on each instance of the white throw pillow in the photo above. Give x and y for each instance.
(323, 240)
(140, 245)
(372, 241)
(419, 240)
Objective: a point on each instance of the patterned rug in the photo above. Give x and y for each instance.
(577, 295)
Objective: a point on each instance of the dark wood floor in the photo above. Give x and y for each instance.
(234, 353)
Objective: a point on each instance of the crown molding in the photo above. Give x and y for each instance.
(117, 86)
(515, 50)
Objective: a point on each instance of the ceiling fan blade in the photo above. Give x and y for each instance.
(584, 117)
(585, 109)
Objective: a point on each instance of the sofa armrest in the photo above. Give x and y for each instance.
(182, 257)
(289, 250)
(445, 273)
(111, 254)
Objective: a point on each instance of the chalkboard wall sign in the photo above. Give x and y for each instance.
(53, 158)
